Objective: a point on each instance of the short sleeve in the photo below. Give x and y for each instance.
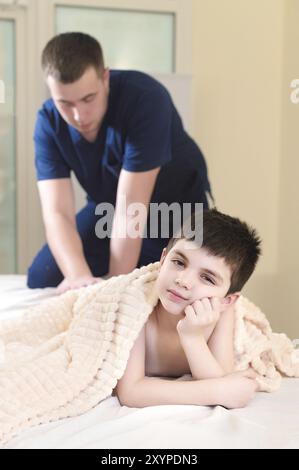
(49, 161)
(148, 141)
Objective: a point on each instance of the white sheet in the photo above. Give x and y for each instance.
(269, 421)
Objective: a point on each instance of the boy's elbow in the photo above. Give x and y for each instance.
(129, 401)
(126, 397)
(228, 369)
(122, 395)
(123, 399)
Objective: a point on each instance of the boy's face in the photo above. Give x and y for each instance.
(83, 103)
(193, 274)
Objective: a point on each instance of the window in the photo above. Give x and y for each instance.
(139, 40)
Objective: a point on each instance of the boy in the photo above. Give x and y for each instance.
(190, 331)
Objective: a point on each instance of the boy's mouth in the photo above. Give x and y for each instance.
(174, 295)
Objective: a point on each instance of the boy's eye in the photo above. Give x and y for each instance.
(180, 263)
(207, 278)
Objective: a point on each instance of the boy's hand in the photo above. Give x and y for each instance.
(199, 315)
(237, 389)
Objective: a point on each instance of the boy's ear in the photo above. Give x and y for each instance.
(230, 299)
(163, 256)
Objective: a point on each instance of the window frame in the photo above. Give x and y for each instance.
(181, 10)
(17, 15)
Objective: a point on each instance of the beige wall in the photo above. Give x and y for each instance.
(288, 280)
(244, 60)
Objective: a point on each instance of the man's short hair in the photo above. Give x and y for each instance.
(67, 56)
(228, 238)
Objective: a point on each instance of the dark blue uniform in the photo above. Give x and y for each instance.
(141, 130)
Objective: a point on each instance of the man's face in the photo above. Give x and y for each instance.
(193, 273)
(83, 103)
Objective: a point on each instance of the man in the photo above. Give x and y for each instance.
(121, 135)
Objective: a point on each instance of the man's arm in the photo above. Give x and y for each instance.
(133, 187)
(58, 208)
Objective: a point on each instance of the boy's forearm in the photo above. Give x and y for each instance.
(224, 355)
(202, 363)
(222, 339)
(152, 391)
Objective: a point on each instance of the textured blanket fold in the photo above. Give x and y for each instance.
(65, 355)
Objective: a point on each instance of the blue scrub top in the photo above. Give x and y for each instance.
(141, 130)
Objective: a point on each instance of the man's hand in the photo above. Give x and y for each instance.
(83, 281)
(200, 315)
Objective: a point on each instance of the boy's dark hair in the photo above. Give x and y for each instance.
(229, 238)
(67, 56)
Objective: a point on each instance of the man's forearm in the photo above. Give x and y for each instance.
(152, 391)
(66, 247)
(124, 252)
(202, 363)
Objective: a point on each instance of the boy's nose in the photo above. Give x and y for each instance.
(184, 282)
